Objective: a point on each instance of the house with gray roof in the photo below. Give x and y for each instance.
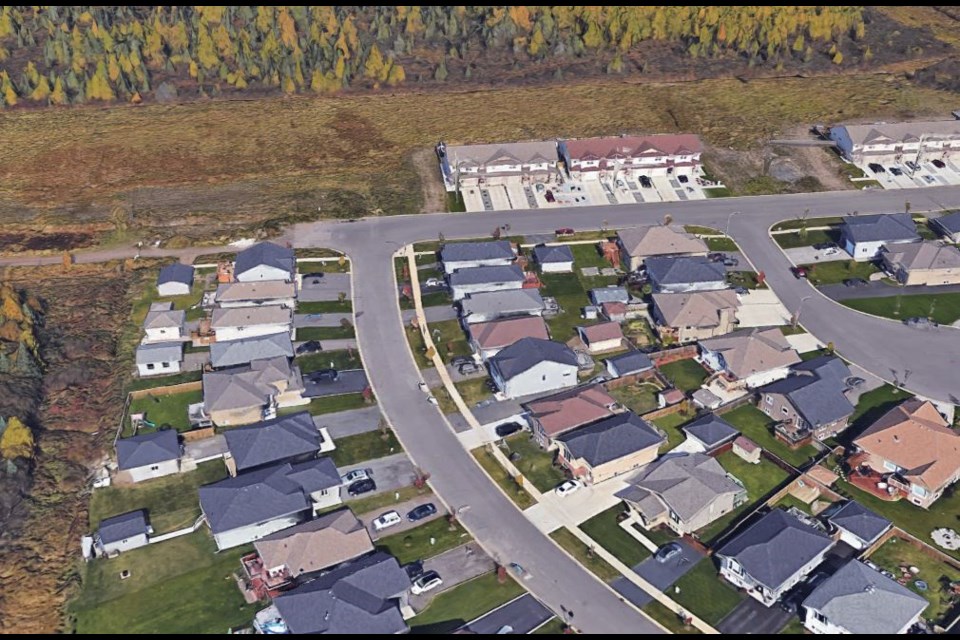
(682, 491)
(860, 600)
(810, 403)
(493, 305)
(922, 263)
(893, 142)
(556, 258)
(265, 261)
(122, 533)
(467, 255)
(858, 526)
(533, 365)
(244, 395)
(362, 597)
(163, 323)
(685, 273)
(708, 433)
(948, 226)
(257, 503)
(863, 236)
(464, 282)
(246, 350)
(629, 363)
(175, 280)
(149, 455)
(159, 358)
(772, 555)
(290, 438)
(498, 164)
(601, 295)
(610, 447)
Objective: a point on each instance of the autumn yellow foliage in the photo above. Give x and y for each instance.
(17, 440)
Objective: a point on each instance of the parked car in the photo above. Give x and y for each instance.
(716, 257)
(313, 276)
(433, 283)
(432, 400)
(683, 179)
(823, 246)
(620, 184)
(414, 569)
(928, 179)
(876, 168)
(741, 291)
(897, 171)
(324, 375)
(668, 552)
(469, 368)
(507, 428)
(564, 231)
(356, 474)
(421, 512)
(645, 182)
(425, 582)
(854, 381)
(387, 520)
(920, 323)
(362, 486)
(461, 360)
(549, 197)
(913, 165)
(730, 261)
(568, 487)
(310, 346)
(539, 187)
(939, 164)
(799, 272)
(855, 282)
(831, 251)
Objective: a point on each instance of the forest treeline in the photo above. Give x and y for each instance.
(68, 55)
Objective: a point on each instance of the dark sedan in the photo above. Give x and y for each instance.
(421, 512)
(362, 486)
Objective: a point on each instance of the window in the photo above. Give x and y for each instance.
(151, 367)
(543, 378)
(819, 617)
(783, 410)
(768, 399)
(165, 365)
(889, 466)
(155, 467)
(917, 490)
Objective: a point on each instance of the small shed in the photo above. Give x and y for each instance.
(122, 533)
(670, 397)
(747, 449)
(175, 280)
(554, 258)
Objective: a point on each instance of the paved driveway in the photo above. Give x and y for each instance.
(662, 575)
(329, 287)
(439, 313)
(809, 255)
(751, 616)
(352, 381)
(349, 423)
(523, 615)
(390, 473)
(333, 345)
(455, 567)
(321, 319)
(402, 508)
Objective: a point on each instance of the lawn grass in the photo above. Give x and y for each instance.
(171, 502)
(326, 333)
(794, 627)
(385, 499)
(465, 602)
(788, 501)
(759, 480)
(341, 360)
(837, 271)
(808, 223)
(816, 353)
(686, 375)
(418, 348)
(640, 397)
(445, 401)
(433, 299)
(552, 627)
(895, 553)
(703, 593)
(414, 544)
(668, 618)
(166, 410)
(450, 340)
(638, 332)
(365, 446)
(571, 296)
(756, 425)
(534, 463)
(325, 306)
(330, 404)
(721, 244)
(670, 424)
(473, 391)
(583, 554)
(496, 471)
(943, 308)
(165, 381)
(605, 530)
(702, 231)
(796, 239)
(178, 586)
(745, 279)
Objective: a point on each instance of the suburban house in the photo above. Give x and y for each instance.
(255, 504)
(925, 262)
(246, 350)
(863, 236)
(250, 322)
(897, 142)
(609, 447)
(707, 433)
(253, 294)
(772, 555)
(291, 438)
(508, 163)
(468, 255)
(159, 358)
(122, 533)
(685, 492)
(948, 226)
(630, 157)
(489, 338)
(605, 336)
(749, 357)
(915, 447)
(163, 323)
(858, 526)
(557, 414)
(605, 295)
(265, 261)
(628, 364)
(556, 258)
(250, 394)
(810, 403)
(683, 274)
(464, 282)
(363, 597)
(175, 280)
(532, 365)
(860, 600)
(639, 243)
(484, 307)
(149, 455)
(327, 541)
(694, 316)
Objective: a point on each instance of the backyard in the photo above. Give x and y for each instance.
(639, 397)
(465, 602)
(606, 531)
(584, 555)
(686, 375)
(425, 541)
(571, 297)
(757, 426)
(671, 425)
(638, 332)
(163, 410)
(164, 381)
(837, 271)
(496, 471)
(365, 446)
(702, 592)
(534, 463)
(937, 575)
(942, 308)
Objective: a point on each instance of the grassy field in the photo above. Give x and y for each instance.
(464, 603)
(703, 593)
(171, 502)
(341, 360)
(896, 553)
(839, 270)
(326, 333)
(686, 375)
(584, 555)
(943, 308)
(605, 530)
(534, 463)
(414, 544)
(167, 410)
(330, 404)
(671, 424)
(756, 425)
(178, 586)
(325, 306)
(365, 446)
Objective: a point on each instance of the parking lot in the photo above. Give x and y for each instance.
(927, 173)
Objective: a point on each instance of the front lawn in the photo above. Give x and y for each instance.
(816, 236)
(640, 397)
(465, 602)
(795, 627)
(329, 404)
(671, 424)
(686, 375)
(325, 306)
(449, 339)
(745, 279)
(552, 627)
(163, 410)
(837, 271)
(171, 502)
(365, 446)
(808, 223)
(473, 391)
(943, 308)
(721, 244)
(534, 463)
(341, 360)
(757, 426)
(896, 553)
(496, 471)
(703, 593)
(326, 333)
(606, 531)
(584, 555)
(668, 618)
(433, 299)
(415, 544)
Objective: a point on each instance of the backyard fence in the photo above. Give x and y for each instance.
(167, 391)
(672, 355)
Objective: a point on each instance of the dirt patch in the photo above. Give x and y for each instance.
(16, 242)
(434, 195)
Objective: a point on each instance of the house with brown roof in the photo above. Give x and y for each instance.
(488, 338)
(915, 449)
(602, 337)
(639, 243)
(749, 358)
(694, 316)
(630, 157)
(555, 415)
(924, 262)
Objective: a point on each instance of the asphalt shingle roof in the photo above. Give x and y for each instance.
(486, 275)
(547, 254)
(950, 222)
(123, 526)
(502, 303)
(860, 521)
(880, 227)
(528, 352)
(176, 273)
(163, 318)
(148, 448)
(711, 430)
(159, 352)
(476, 251)
(816, 390)
(609, 294)
(611, 438)
(273, 440)
(235, 352)
(683, 270)
(630, 362)
(267, 254)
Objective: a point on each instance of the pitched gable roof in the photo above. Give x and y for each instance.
(547, 254)
(526, 353)
(860, 521)
(476, 251)
(816, 390)
(123, 526)
(251, 386)
(326, 541)
(611, 438)
(234, 352)
(158, 318)
(630, 362)
(751, 351)
(923, 254)
(656, 240)
(949, 223)
(273, 440)
(711, 430)
(684, 270)
(265, 254)
(266, 290)
(176, 272)
(601, 295)
(512, 301)
(250, 316)
(156, 352)
(486, 275)
(700, 309)
(903, 131)
(502, 333)
(880, 227)
(481, 155)
(633, 146)
(601, 332)
(148, 448)
(570, 409)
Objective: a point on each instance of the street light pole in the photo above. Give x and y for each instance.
(729, 218)
(796, 317)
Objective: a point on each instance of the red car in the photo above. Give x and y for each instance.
(799, 272)
(565, 231)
